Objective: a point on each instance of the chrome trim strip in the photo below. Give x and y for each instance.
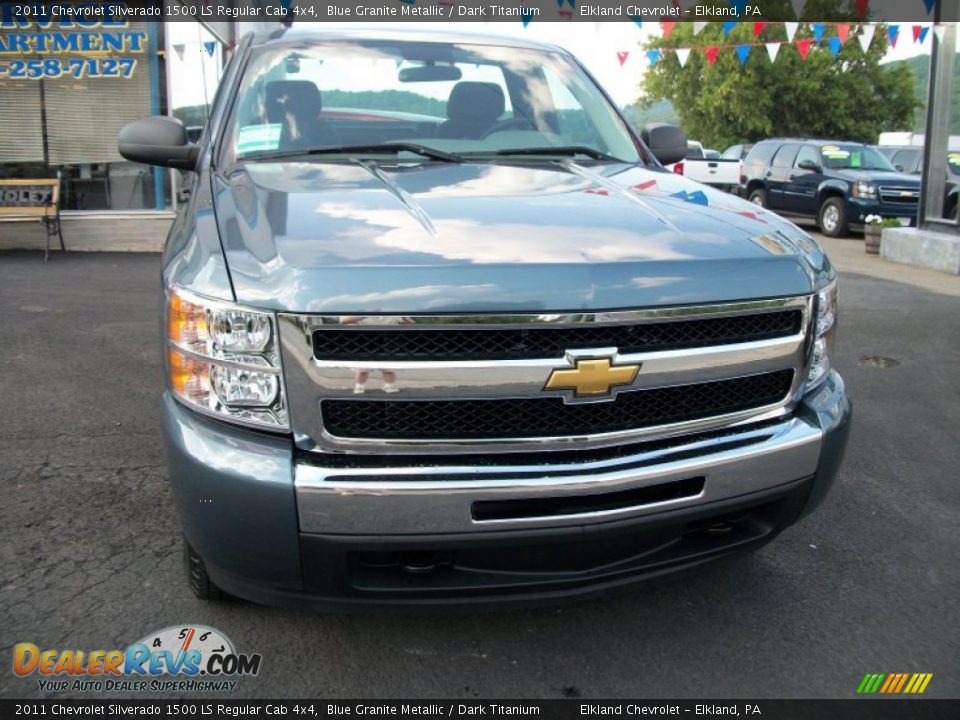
(568, 319)
(309, 381)
(328, 503)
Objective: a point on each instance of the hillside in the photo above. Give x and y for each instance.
(920, 67)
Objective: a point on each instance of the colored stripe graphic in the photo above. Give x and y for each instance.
(894, 683)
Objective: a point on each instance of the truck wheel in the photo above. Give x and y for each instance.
(833, 218)
(200, 583)
(759, 197)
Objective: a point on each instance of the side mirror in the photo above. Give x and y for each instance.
(668, 143)
(809, 165)
(160, 141)
(899, 167)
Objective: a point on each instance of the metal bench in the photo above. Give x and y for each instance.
(36, 199)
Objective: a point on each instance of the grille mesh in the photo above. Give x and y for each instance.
(419, 343)
(550, 416)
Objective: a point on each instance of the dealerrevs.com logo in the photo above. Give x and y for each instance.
(184, 658)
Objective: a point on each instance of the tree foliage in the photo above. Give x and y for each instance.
(848, 97)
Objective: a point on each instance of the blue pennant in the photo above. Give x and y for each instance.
(636, 19)
(728, 26)
(892, 32)
(818, 31)
(923, 34)
(698, 197)
(526, 15)
(743, 52)
(739, 6)
(929, 4)
(653, 56)
(210, 47)
(834, 44)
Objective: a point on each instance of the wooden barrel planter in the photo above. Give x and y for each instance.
(871, 238)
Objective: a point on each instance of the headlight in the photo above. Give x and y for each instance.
(224, 360)
(825, 326)
(865, 190)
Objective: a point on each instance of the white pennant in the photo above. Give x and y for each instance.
(598, 26)
(791, 29)
(798, 6)
(772, 50)
(682, 55)
(698, 26)
(938, 31)
(866, 36)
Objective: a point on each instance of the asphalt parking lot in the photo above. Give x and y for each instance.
(91, 559)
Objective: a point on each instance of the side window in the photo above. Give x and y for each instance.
(761, 154)
(809, 153)
(785, 155)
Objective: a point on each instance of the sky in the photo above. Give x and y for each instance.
(596, 47)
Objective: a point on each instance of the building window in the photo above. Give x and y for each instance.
(65, 93)
(942, 163)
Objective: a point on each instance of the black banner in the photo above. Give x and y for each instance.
(860, 709)
(17, 12)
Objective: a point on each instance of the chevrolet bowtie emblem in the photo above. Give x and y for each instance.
(592, 378)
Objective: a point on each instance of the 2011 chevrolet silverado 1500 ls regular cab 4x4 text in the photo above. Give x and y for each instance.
(440, 328)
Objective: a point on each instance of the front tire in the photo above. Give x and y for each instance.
(759, 197)
(832, 218)
(200, 583)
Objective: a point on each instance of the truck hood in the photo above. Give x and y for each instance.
(359, 237)
(880, 177)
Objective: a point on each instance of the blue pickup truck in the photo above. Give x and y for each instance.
(439, 328)
(839, 184)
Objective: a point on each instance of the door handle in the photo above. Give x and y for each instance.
(769, 173)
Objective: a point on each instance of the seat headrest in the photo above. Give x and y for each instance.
(299, 97)
(475, 101)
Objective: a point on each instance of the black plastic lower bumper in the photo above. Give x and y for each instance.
(530, 566)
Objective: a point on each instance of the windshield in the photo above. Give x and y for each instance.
(854, 157)
(476, 100)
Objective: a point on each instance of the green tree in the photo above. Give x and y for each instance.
(849, 97)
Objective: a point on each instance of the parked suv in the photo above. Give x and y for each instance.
(909, 159)
(442, 329)
(837, 183)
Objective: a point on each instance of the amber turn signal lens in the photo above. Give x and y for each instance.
(186, 322)
(189, 377)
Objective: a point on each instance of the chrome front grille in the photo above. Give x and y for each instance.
(899, 195)
(492, 342)
(550, 416)
(479, 384)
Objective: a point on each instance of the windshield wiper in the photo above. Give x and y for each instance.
(564, 150)
(391, 147)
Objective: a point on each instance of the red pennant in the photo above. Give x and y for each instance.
(622, 57)
(843, 32)
(862, 7)
(917, 29)
(712, 54)
(803, 47)
(667, 29)
(646, 185)
(758, 28)
(565, 14)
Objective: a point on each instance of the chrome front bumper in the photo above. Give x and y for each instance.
(439, 499)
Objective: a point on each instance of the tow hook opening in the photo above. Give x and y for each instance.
(423, 563)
